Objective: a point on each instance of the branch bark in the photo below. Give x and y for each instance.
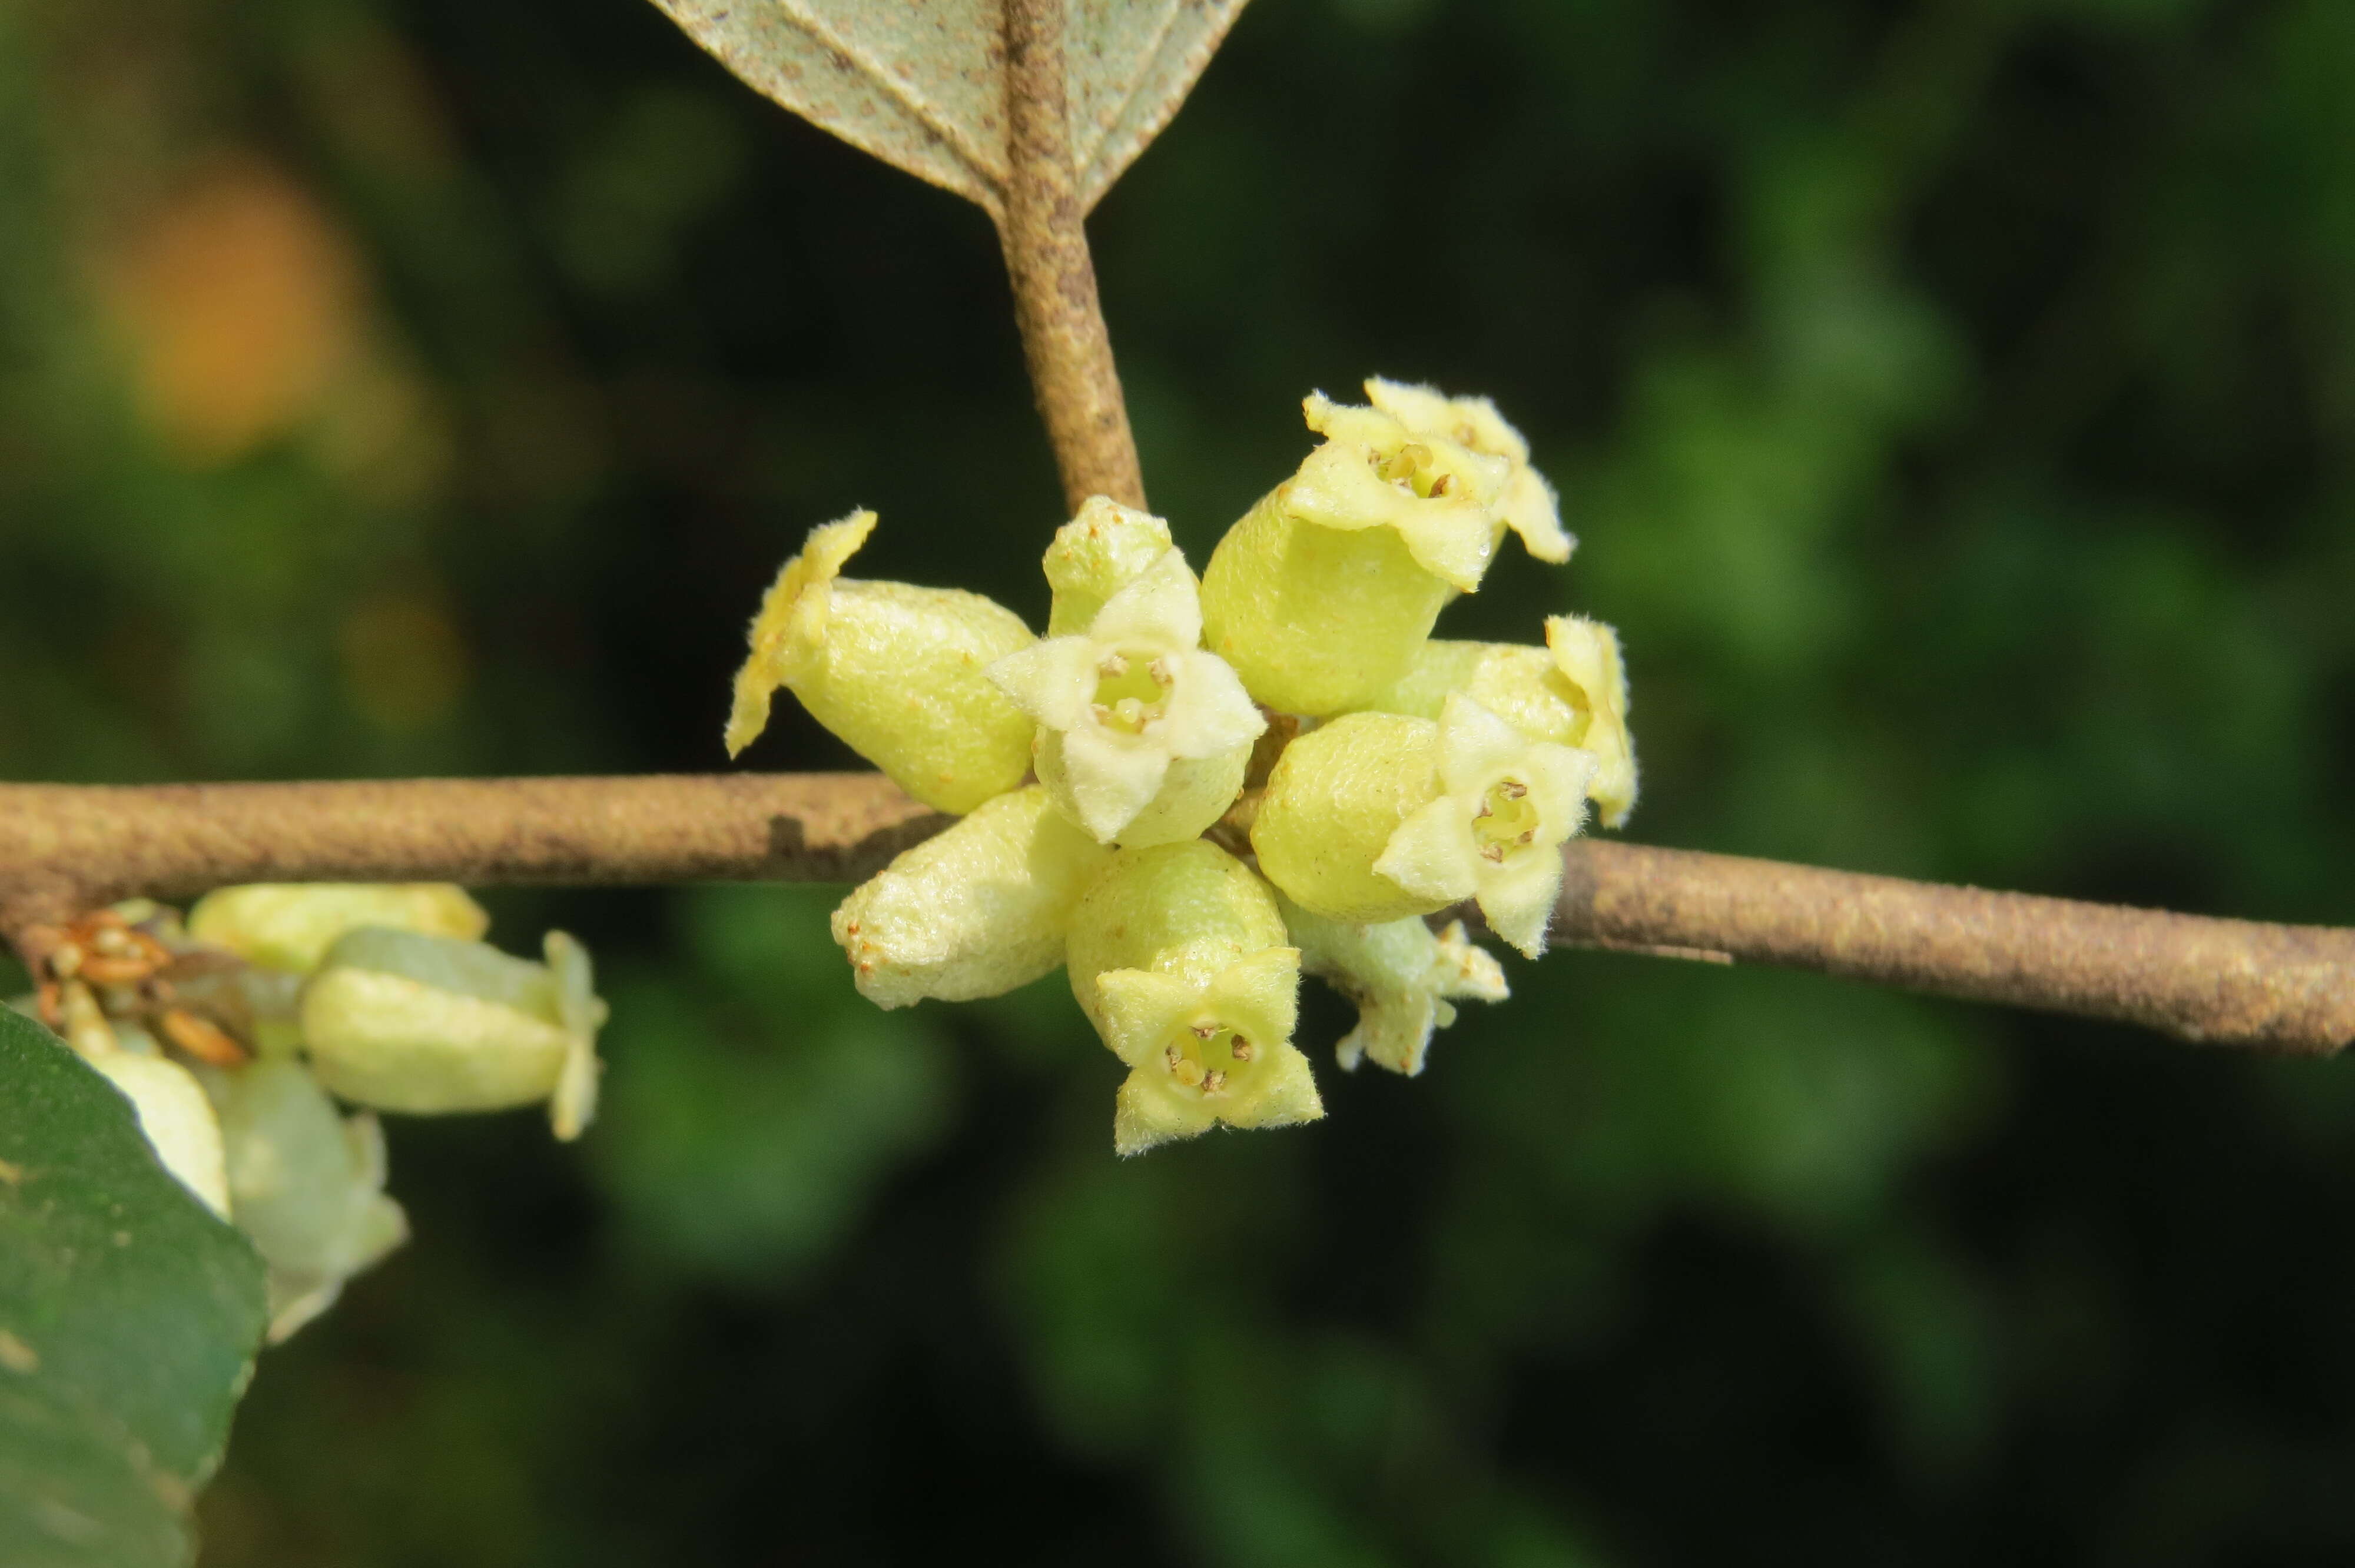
(2223, 982)
(1044, 234)
(65, 849)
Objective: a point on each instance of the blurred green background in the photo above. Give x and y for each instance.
(1956, 402)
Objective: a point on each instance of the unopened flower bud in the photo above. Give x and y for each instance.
(176, 1117)
(1179, 957)
(305, 1184)
(1527, 506)
(1320, 595)
(404, 1022)
(1375, 817)
(1094, 556)
(974, 911)
(290, 925)
(1401, 975)
(1143, 736)
(893, 669)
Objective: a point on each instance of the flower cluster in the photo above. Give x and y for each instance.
(1189, 790)
(235, 1033)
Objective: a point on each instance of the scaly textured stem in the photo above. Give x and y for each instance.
(66, 849)
(2224, 983)
(1045, 237)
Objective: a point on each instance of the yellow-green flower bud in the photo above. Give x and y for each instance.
(1573, 692)
(290, 926)
(1401, 975)
(404, 1022)
(975, 911)
(1527, 506)
(895, 671)
(1335, 798)
(1178, 956)
(1094, 556)
(306, 1186)
(1586, 655)
(1515, 681)
(1320, 595)
(176, 1117)
(1377, 816)
(1143, 738)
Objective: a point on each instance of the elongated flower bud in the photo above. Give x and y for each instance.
(404, 1022)
(1401, 975)
(306, 1186)
(1094, 556)
(1178, 956)
(894, 670)
(1320, 595)
(1335, 798)
(176, 1117)
(1377, 816)
(290, 925)
(1527, 506)
(974, 911)
(1143, 736)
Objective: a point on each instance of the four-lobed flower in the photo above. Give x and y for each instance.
(1143, 736)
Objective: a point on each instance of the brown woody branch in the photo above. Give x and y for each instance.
(66, 849)
(1045, 236)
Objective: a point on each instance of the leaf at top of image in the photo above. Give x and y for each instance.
(921, 84)
(129, 1317)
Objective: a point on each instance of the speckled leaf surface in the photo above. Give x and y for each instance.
(129, 1317)
(921, 84)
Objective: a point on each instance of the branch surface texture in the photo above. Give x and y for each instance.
(65, 849)
(1044, 234)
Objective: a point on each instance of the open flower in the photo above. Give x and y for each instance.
(1505, 805)
(1527, 506)
(1374, 472)
(1127, 705)
(1402, 976)
(1320, 594)
(1207, 1042)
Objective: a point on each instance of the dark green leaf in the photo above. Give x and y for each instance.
(129, 1317)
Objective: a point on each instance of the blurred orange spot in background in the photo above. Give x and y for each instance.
(241, 300)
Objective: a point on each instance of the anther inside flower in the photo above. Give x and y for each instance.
(1123, 702)
(1206, 1043)
(1372, 472)
(1528, 505)
(1506, 805)
(1505, 823)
